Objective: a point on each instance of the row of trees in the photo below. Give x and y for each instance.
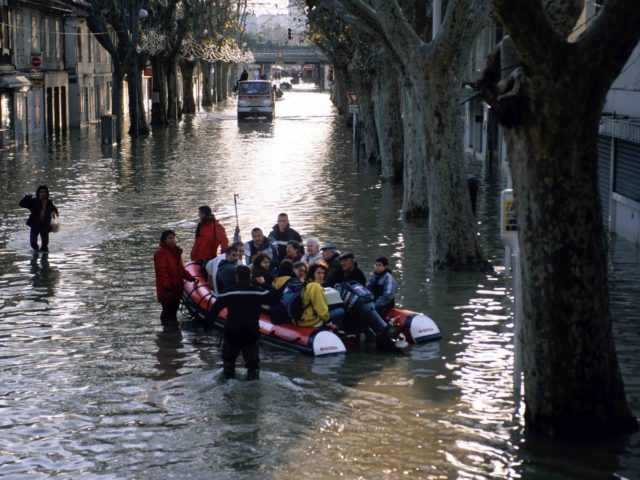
(172, 36)
(405, 59)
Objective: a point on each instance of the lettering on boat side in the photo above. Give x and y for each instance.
(328, 348)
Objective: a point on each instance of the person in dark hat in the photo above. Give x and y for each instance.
(39, 220)
(349, 271)
(330, 256)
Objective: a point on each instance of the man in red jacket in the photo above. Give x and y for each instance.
(170, 273)
(209, 236)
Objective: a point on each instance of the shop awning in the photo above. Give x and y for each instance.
(11, 82)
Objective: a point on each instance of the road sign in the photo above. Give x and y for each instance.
(36, 60)
(352, 101)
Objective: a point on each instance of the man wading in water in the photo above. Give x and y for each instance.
(41, 209)
(241, 329)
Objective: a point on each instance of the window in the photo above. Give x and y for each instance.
(44, 37)
(34, 32)
(58, 40)
(79, 44)
(89, 47)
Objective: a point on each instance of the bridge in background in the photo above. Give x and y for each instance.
(294, 55)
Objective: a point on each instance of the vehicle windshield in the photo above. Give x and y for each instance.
(255, 88)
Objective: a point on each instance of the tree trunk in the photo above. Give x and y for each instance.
(117, 103)
(224, 77)
(453, 241)
(218, 82)
(138, 125)
(363, 86)
(414, 200)
(388, 120)
(188, 102)
(207, 84)
(175, 112)
(159, 102)
(341, 85)
(573, 386)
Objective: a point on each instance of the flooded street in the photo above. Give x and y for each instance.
(90, 387)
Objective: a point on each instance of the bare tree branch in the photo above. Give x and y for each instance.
(609, 41)
(529, 28)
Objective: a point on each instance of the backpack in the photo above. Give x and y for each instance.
(290, 306)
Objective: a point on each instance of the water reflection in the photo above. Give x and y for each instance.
(45, 277)
(170, 357)
(90, 385)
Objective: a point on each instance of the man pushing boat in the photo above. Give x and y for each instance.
(241, 329)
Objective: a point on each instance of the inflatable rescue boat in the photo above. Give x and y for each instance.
(199, 298)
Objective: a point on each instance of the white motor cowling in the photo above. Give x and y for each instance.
(327, 343)
(424, 328)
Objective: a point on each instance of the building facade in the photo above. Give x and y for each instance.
(53, 73)
(618, 140)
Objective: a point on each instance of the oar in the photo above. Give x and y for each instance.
(235, 204)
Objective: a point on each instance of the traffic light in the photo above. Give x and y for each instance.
(289, 34)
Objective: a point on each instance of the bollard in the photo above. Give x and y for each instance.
(108, 125)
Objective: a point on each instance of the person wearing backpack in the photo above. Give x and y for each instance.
(315, 310)
(243, 302)
(288, 308)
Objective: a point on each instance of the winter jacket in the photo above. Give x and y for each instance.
(384, 288)
(310, 260)
(259, 271)
(243, 312)
(35, 207)
(354, 275)
(280, 282)
(314, 304)
(226, 275)
(209, 236)
(170, 273)
(280, 239)
(250, 251)
(334, 270)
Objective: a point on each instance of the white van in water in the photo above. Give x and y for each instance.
(255, 99)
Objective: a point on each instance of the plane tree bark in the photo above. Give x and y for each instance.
(550, 106)
(124, 22)
(433, 112)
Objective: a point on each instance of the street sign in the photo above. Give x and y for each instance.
(508, 220)
(352, 101)
(36, 59)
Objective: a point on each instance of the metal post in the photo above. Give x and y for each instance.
(356, 142)
(517, 330)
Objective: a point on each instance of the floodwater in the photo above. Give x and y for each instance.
(90, 386)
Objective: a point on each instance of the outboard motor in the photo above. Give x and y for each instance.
(359, 304)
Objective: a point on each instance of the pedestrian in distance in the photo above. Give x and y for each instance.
(243, 302)
(244, 76)
(42, 210)
(170, 273)
(210, 235)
